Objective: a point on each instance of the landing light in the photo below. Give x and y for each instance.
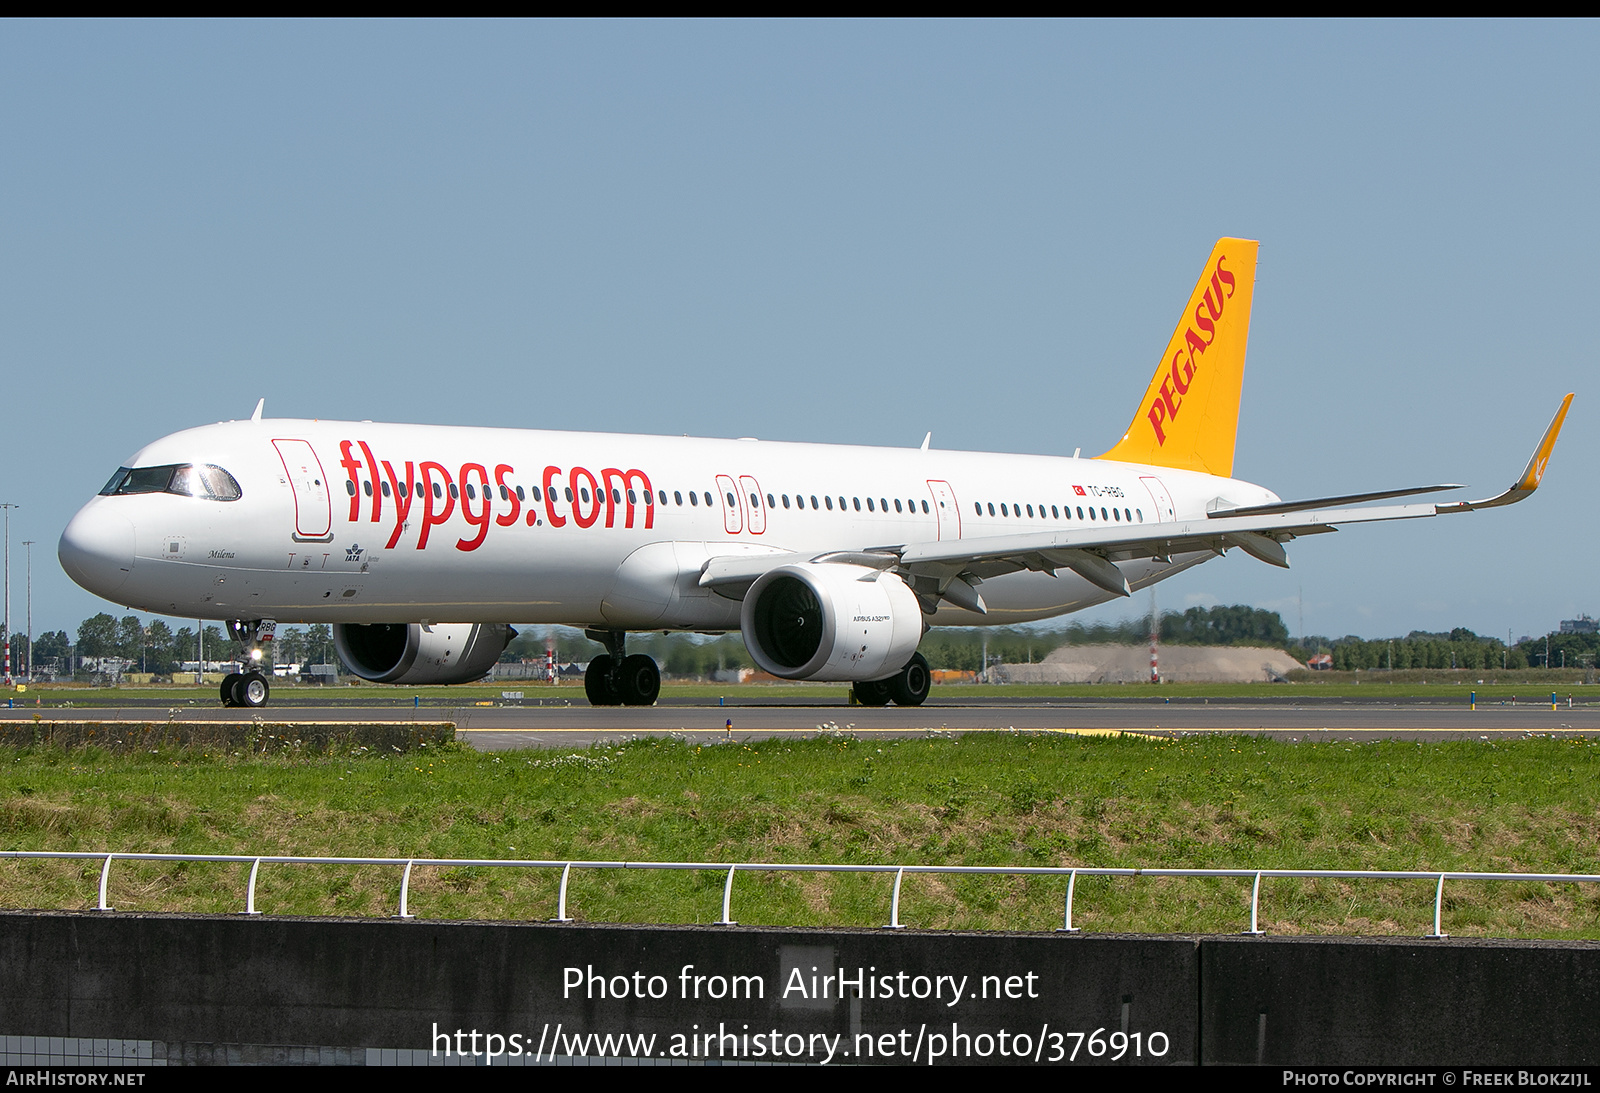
(255, 654)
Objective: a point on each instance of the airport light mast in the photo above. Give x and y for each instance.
(29, 544)
(8, 507)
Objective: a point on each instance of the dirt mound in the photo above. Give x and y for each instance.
(1131, 664)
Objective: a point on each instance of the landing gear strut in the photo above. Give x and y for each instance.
(249, 689)
(908, 687)
(616, 679)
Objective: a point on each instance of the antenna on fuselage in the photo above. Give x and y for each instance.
(260, 405)
(926, 440)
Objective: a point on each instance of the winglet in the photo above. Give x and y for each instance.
(1541, 455)
(260, 405)
(1532, 475)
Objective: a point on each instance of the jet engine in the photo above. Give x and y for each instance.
(415, 654)
(831, 622)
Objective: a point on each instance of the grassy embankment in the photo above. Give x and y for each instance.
(1526, 805)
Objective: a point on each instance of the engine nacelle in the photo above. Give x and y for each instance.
(831, 622)
(414, 654)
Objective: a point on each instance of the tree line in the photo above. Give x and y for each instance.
(157, 648)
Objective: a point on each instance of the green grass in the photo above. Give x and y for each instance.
(985, 799)
(1529, 685)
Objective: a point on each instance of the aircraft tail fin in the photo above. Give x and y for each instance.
(1189, 417)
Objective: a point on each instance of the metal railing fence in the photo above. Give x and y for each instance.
(1071, 873)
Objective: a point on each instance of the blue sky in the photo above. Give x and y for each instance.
(829, 231)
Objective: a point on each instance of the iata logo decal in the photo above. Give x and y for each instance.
(352, 553)
(469, 492)
(1187, 360)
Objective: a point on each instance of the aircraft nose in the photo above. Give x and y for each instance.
(96, 550)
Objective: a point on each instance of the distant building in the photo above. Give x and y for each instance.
(1583, 624)
(1322, 662)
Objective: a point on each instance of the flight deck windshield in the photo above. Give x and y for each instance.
(203, 480)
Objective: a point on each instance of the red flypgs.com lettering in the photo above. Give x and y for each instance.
(476, 493)
(1184, 362)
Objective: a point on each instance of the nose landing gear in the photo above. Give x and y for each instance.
(249, 689)
(245, 689)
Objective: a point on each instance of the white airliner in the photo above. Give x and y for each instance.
(422, 544)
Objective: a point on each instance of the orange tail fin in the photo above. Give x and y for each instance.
(1189, 418)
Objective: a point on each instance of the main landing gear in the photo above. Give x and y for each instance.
(909, 687)
(616, 679)
(249, 689)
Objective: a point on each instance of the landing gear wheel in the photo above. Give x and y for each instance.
(871, 692)
(251, 690)
(911, 686)
(228, 683)
(640, 681)
(600, 682)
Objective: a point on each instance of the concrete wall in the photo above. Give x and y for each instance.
(1400, 1001)
(1023, 997)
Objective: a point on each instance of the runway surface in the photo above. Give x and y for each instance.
(504, 726)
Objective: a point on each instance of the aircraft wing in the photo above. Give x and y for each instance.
(951, 568)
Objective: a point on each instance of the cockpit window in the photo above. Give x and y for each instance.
(203, 480)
